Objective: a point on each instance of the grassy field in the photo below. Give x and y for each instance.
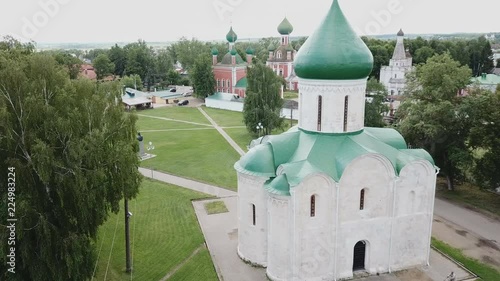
(486, 272)
(216, 207)
(225, 118)
(177, 112)
(471, 196)
(290, 95)
(147, 123)
(163, 233)
(202, 155)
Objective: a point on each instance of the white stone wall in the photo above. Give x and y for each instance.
(313, 242)
(252, 239)
(414, 209)
(333, 93)
(279, 251)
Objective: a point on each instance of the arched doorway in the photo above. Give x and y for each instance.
(359, 256)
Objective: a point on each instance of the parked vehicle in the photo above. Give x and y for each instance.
(188, 94)
(183, 102)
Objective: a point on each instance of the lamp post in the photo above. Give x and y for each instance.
(128, 268)
(259, 128)
(151, 147)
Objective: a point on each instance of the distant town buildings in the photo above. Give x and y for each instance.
(393, 75)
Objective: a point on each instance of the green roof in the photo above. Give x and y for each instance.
(487, 79)
(334, 51)
(227, 59)
(250, 50)
(285, 27)
(242, 83)
(233, 52)
(271, 47)
(215, 52)
(231, 36)
(297, 154)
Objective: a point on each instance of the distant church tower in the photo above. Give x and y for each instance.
(393, 76)
(281, 58)
(330, 197)
(230, 73)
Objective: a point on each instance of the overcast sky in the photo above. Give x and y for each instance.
(51, 21)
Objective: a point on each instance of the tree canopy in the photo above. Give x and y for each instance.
(375, 106)
(263, 102)
(74, 152)
(428, 116)
(203, 77)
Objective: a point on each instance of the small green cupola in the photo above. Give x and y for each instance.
(334, 51)
(250, 51)
(271, 48)
(233, 52)
(231, 36)
(285, 27)
(215, 52)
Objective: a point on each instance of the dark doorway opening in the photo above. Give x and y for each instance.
(359, 256)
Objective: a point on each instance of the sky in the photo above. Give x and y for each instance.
(92, 21)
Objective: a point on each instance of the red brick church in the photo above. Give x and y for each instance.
(230, 73)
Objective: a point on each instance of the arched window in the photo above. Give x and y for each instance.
(412, 202)
(223, 83)
(320, 107)
(395, 76)
(253, 214)
(313, 206)
(278, 54)
(346, 114)
(362, 199)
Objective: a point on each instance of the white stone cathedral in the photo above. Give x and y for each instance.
(393, 75)
(330, 197)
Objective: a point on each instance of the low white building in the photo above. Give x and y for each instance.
(393, 75)
(329, 197)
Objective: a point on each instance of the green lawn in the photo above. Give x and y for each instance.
(147, 123)
(290, 95)
(216, 207)
(225, 118)
(202, 155)
(240, 136)
(471, 196)
(177, 112)
(486, 272)
(163, 233)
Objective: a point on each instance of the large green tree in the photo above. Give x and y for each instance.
(103, 66)
(482, 108)
(263, 102)
(428, 116)
(74, 153)
(118, 56)
(202, 77)
(375, 106)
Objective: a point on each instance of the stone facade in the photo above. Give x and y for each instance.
(393, 75)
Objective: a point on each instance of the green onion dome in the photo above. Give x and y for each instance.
(285, 27)
(334, 51)
(215, 52)
(231, 36)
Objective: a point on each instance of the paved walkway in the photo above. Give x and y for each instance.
(223, 133)
(186, 183)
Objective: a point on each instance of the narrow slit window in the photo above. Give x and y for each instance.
(346, 113)
(320, 106)
(362, 200)
(313, 206)
(253, 214)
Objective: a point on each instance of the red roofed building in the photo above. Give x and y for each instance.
(87, 71)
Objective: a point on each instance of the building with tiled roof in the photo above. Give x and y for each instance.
(331, 198)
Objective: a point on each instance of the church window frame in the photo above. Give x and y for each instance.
(254, 217)
(312, 211)
(320, 112)
(362, 195)
(278, 54)
(346, 112)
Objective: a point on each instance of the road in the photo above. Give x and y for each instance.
(479, 224)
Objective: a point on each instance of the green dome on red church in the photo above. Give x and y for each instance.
(334, 51)
(250, 50)
(285, 27)
(215, 52)
(231, 36)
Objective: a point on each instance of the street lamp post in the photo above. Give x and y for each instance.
(128, 268)
(259, 128)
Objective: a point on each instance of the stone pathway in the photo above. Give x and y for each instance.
(223, 133)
